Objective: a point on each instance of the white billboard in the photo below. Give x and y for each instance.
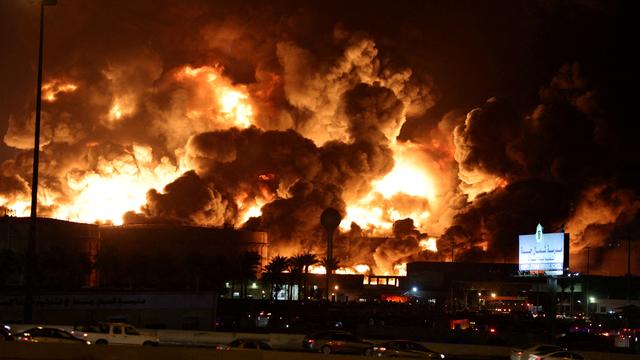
(542, 253)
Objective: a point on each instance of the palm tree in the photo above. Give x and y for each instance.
(308, 259)
(274, 270)
(329, 266)
(247, 266)
(296, 267)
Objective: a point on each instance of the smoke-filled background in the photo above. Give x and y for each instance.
(428, 125)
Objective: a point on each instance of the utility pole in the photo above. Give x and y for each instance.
(31, 243)
(453, 246)
(628, 268)
(586, 285)
(330, 220)
(629, 255)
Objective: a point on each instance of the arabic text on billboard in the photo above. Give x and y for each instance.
(542, 253)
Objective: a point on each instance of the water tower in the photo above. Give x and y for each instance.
(329, 219)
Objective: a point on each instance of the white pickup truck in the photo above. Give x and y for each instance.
(114, 333)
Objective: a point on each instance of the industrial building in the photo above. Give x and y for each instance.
(166, 275)
(124, 252)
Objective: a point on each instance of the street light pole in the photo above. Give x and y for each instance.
(31, 244)
(586, 286)
(626, 318)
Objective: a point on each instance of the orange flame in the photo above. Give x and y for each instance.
(408, 177)
(429, 244)
(231, 103)
(117, 186)
(343, 270)
(52, 88)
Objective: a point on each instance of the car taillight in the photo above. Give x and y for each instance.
(379, 348)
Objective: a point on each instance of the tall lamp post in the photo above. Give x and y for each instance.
(31, 244)
(586, 285)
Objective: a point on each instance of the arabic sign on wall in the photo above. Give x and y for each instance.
(542, 253)
(111, 301)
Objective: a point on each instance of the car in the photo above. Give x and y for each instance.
(104, 333)
(583, 341)
(309, 340)
(559, 355)
(329, 342)
(524, 353)
(5, 333)
(249, 344)
(404, 349)
(43, 334)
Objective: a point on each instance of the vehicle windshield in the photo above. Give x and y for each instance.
(131, 331)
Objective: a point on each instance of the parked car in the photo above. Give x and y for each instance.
(524, 353)
(310, 340)
(116, 333)
(249, 344)
(404, 349)
(5, 333)
(329, 342)
(49, 335)
(585, 342)
(558, 355)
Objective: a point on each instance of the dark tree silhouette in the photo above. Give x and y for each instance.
(330, 266)
(273, 273)
(296, 268)
(245, 269)
(308, 260)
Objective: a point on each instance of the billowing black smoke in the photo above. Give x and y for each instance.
(333, 88)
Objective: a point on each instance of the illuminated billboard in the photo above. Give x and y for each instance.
(541, 253)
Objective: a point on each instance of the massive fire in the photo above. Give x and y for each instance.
(260, 119)
(384, 204)
(116, 185)
(408, 176)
